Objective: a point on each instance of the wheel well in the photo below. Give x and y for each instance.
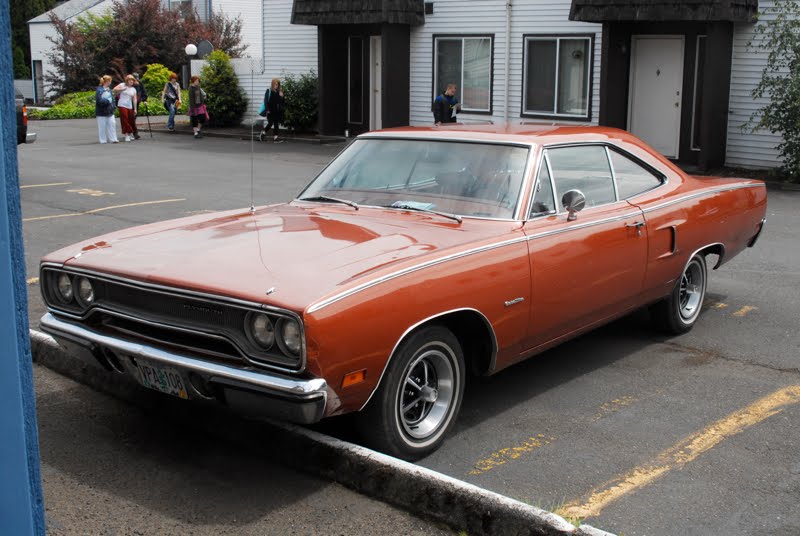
(714, 249)
(476, 338)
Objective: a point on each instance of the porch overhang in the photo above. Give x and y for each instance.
(674, 11)
(323, 12)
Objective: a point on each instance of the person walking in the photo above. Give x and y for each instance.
(273, 106)
(127, 105)
(197, 106)
(104, 111)
(171, 97)
(141, 98)
(446, 106)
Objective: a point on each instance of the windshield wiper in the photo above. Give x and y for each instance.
(405, 206)
(331, 199)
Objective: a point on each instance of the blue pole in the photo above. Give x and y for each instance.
(21, 505)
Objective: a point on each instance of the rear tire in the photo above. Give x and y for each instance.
(419, 397)
(678, 313)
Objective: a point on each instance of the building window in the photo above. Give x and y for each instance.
(466, 62)
(557, 77)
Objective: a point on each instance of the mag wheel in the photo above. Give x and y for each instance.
(678, 313)
(419, 397)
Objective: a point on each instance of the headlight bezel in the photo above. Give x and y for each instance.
(281, 336)
(79, 297)
(57, 291)
(250, 330)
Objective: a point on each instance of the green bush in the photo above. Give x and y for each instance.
(226, 101)
(302, 101)
(778, 38)
(81, 106)
(154, 79)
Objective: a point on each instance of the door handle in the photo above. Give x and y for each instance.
(636, 225)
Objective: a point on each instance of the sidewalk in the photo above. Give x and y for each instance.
(243, 132)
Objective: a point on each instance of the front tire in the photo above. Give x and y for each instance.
(419, 397)
(678, 313)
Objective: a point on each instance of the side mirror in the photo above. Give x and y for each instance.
(573, 201)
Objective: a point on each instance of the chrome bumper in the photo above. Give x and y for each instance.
(267, 393)
(30, 137)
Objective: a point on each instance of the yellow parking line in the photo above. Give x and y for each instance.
(684, 452)
(69, 214)
(613, 406)
(744, 310)
(504, 456)
(43, 185)
(33, 280)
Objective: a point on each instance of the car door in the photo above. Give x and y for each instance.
(588, 269)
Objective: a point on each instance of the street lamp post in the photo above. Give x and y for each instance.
(191, 50)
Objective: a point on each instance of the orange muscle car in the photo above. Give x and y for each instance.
(418, 255)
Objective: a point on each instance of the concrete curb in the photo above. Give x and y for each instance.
(417, 489)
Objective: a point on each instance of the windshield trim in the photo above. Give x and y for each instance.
(524, 184)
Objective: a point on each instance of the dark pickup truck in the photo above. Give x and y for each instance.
(23, 136)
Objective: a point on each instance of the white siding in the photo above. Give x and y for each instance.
(25, 87)
(287, 49)
(41, 46)
(251, 14)
(746, 149)
(489, 17)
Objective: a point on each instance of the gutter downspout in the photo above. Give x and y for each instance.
(508, 60)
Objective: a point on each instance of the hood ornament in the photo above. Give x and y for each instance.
(270, 290)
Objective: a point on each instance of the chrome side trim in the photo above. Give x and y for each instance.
(333, 299)
(584, 225)
(336, 297)
(492, 360)
(300, 389)
(700, 194)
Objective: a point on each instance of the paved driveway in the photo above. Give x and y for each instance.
(637, 433)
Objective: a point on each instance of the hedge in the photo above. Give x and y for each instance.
(81, 106)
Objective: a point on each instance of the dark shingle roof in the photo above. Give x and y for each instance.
(670, 11)
(358, 12)
(67, 10)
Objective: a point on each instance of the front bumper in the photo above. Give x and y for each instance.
(30, 137)
(249, 390)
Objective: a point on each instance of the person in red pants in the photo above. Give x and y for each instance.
(127, 105)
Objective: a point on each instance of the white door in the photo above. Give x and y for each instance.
(654, 106)
(376, 67)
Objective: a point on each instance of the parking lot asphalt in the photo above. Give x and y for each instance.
(633, 432)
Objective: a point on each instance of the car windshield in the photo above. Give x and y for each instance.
(464, 178)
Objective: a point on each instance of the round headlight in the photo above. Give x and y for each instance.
(85, 291)
(290, 335)
(262, 330)
(65, 291)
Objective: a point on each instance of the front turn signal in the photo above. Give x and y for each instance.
(354, 378)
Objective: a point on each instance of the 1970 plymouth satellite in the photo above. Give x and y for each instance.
(418, 255)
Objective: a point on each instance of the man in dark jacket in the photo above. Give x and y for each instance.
(141, 96)
(446, 106)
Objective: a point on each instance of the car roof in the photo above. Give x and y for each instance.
(540, 134)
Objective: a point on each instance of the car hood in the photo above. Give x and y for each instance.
(295, 253)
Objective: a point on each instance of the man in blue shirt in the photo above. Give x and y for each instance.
(446, 106)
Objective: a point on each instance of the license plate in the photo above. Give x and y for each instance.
(163, 379)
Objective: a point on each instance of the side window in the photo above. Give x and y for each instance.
(583, 168)
(632, 179)
(543, 196)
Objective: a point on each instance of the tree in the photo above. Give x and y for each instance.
(226, 100)
(135, 33)
(779, 37)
